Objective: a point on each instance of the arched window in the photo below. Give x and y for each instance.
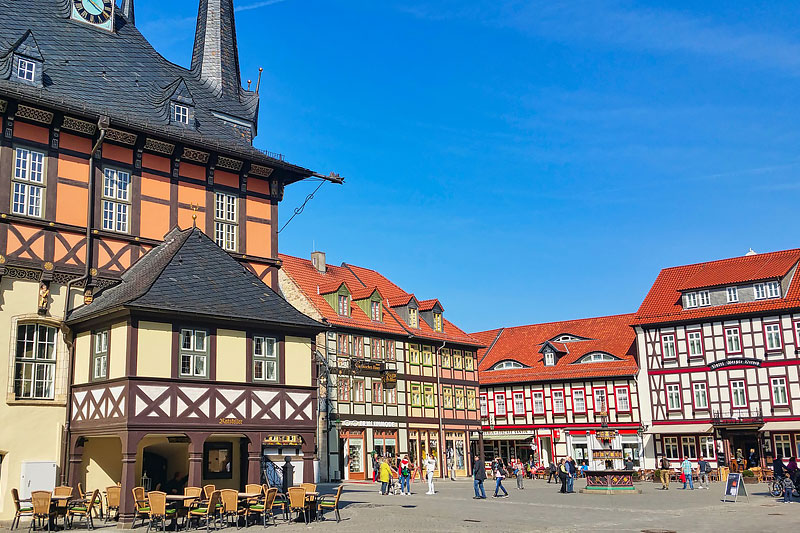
(506, 365)
(596, 357)
(35, 362)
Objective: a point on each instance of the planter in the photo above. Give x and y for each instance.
(750, 480)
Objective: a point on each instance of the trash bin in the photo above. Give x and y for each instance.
(288, 474)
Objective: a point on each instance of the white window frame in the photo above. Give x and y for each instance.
(265, 359)
(179, 113)
(375, 308)
(668, 348)
(538, 402)
(690, 443)
(627, 399)
(549, 358)
(691, 300)
(37, 371)
(671, 448)
(28, 182)
(26, 69)
(226, 220)
(707, 447)
(783, 442)
(759, 291)
(773, 289)
(772, 336)
(500, 404)
(578, 398)
(674, 401)
(700, 391)
(116, 200)
(193, 353)
(703, 299)
(694, 341)
(100, 355)
(344, 304)
(729, 340)
(519, 403)
(732, 294)
(484, 405)
(738, 389)
(780, 391)
(600, 400)
(559, 402)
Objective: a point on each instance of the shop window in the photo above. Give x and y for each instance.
(100, 355)
(631, 450)
(688, 447)
(34, 373)
(671, 448)
(194, 353)
(265, 359)
(355, 449)
(783, 445)
(707, 447)
(580, 452)
(218, 460)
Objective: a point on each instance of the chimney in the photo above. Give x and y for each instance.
(215, 58)
(318, 260)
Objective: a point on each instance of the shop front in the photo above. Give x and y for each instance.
(508, 444)
(360, 440)
(352, 442)
(457, 442)
(421, 444)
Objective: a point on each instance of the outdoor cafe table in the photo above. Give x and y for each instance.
(248, 495)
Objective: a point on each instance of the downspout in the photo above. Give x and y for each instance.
(442, 443)
(102, 124)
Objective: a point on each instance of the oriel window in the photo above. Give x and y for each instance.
(116, 200)
(194, 353)
(28, 183)
(265, 359)
(226, 221)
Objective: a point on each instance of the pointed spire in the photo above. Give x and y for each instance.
(215, 58)
(127, 11)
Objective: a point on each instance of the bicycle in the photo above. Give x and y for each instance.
(776, 489)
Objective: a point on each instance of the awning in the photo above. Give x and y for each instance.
(679, 428)
(781, 426)
(501, 436)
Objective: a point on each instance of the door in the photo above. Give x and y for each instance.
(545, 450)
(355, 450)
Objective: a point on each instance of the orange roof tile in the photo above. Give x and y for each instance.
(663, 302)
(427, 305)
(400, 300)
(609, 334)
(360, 293)
(327, 288)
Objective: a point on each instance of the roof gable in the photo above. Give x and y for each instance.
(431, 305)
(28, 47)
(188, 274)
(363, 293)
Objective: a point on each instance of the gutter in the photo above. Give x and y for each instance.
(442, 443)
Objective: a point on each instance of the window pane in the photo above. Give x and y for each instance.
(20, 197)
(258, 346)
(272, 371)
(34, 201)
(199, 365)
(186, 343)
(186, 365)
(200, 341)
(258, 370)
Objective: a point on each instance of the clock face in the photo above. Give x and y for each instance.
(94, 11)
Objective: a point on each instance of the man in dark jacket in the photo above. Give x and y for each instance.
(552, 470)
(778, 467)
(478, 477)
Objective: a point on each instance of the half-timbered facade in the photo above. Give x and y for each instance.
(561, 388)
(400, 378)
(104, 147)
(719, 345)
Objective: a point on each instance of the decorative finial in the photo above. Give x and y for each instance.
(248, 84)
(258, 83)
(195, 207)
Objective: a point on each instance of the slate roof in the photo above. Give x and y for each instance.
(189, 274)
(663, 302)
(363, 282)
(609, 334)
(90, 72)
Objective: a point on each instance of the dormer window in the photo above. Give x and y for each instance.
(597, 357)
(691, 300)
(773, 289)
(437, 321)
(344, 307)
(179, 114)
(733, 294)
(549, 358)
(376, 311)
(759, 291)
(506, 365)
(413, 320)
(703, 298)
(26, 70)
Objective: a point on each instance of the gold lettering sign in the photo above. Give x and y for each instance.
(607, 454)
(362, 365)
(283, 440)
(389, 379)
(231, 421)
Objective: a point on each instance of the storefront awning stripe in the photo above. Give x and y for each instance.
(782, 425)
(680, 429)
(502, 437)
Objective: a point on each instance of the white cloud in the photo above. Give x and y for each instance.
(257, 5)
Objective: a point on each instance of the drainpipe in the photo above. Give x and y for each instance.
(442, 443)
(102, 124)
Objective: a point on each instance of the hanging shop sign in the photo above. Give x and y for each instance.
(734, 361)
(283, 440)
(606, 434)
(389, 379)
(361, 365)
(606, 454)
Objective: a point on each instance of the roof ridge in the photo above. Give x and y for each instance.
(737, 257)
(489, 349)
(620, 315)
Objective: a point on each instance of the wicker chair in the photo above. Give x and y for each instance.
(42, 512)
(281, 500)
(330, 501)
(113, 498)
(142, 509)
(26, 510)
(62, 505)
(297, 501)
(197, 492)
(264, 507)
(230, 506)
(207, 490)
(157, 501)
(83, 509)
(210, 512)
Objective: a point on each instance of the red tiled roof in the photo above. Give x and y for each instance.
(364, 281)
(450, 332)
(400, 300)
(609, 334)
(663, 302)
(427, 305)
(333, 286)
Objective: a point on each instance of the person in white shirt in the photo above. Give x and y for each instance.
(430, 467)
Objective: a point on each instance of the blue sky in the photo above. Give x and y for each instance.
(524, 161)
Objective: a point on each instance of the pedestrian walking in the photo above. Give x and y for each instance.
(430, 468)
(572, 472)
(519, 472)
(385, 474)
(686, 469)
(478, 477)
(703, 469)
(665, 467)
(375, 467)
(788, 487)
(552, 470)
(563, 473)
(500, 475)
(405, 476)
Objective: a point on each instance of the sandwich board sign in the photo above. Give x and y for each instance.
(733, 487)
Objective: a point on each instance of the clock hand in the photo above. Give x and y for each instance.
(95, 5)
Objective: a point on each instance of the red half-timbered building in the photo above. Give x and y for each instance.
(561, 388)
(719, 345)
